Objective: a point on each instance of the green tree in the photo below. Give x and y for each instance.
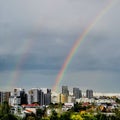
(101, 117)
(89, 117)
(78, 107)
(54, 115)
(30, 118)
(65, 116)
(117, 100)
(5, 109)
(8, 117)
(117, 113)
(52, 105)
(5, 112)
(40, 113)
(76, 117)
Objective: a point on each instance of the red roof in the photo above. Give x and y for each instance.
(30, 105)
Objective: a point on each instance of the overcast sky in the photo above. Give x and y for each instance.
(37, 35)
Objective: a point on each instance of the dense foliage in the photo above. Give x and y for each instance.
(5, 112)
(78, 112)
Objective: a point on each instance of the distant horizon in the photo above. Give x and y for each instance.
(60, 91)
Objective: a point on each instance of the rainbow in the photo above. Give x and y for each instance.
(28, 44)
(26, 47)
(77, 43)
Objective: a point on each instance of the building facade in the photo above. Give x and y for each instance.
(89, 94)
(65, 90)
(18, 97)
(33, 96)
(4, 96)
(40, 96)
(77, 93)
(63, 98)
(47, 97)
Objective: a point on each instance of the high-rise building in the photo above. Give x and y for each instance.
(41, 96)
(4, 96)
(47, 97)
(65, 90)
(33, 96)
(89, 94)
(77, 93)
(18, 97)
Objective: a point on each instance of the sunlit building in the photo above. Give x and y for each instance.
(63, 98)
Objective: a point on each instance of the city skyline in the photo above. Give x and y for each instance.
(83, 93)
(36, 38)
